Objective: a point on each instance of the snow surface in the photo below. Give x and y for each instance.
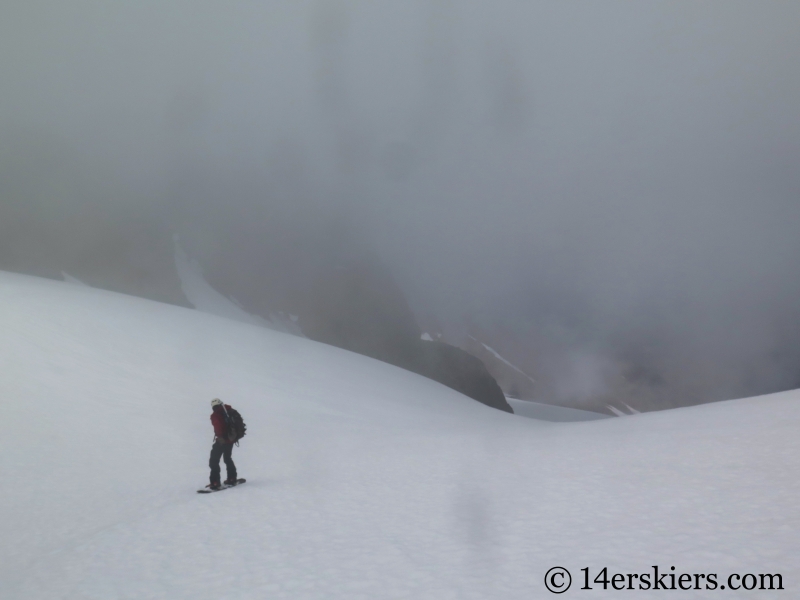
(631, 410)
(205, 298)
(364, 480)
(615, 410)
(70, 279)
(549, 412)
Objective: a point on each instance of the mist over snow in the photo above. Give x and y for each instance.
(606, 194)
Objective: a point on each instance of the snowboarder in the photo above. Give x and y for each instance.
(223, 446)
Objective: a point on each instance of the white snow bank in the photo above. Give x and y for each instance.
(631, 410)
(615, 410)
(205, 298)
(70, 279)
(548, 412)
(364, 480)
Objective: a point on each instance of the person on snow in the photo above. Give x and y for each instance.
(223, 446)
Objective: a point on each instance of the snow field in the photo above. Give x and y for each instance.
(364, 480)
(547, 412)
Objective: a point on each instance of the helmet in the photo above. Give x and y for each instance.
(216, 402)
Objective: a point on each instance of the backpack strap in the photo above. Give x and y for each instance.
(229, 424)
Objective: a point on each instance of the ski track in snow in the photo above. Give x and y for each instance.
(364, 480)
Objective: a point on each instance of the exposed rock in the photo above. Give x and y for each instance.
(459, 370)
(360, 308)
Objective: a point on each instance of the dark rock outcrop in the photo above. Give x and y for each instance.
(361, 309)
(461, 371)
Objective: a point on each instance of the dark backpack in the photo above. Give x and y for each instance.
(235, 425)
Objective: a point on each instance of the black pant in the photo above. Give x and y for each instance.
(221, 450)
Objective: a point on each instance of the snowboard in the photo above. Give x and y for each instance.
(224, 487)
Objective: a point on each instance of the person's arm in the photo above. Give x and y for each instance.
(219, 427)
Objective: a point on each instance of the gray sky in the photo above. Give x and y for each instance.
(614, 169)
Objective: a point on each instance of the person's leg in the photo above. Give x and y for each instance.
(216, 452)
(229, 466)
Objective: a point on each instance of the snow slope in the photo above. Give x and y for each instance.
(364, 480)
(549, 412)
(205, 298)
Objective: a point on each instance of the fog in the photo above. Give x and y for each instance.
(612, 184)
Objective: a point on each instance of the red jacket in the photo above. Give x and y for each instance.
(218, 421)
